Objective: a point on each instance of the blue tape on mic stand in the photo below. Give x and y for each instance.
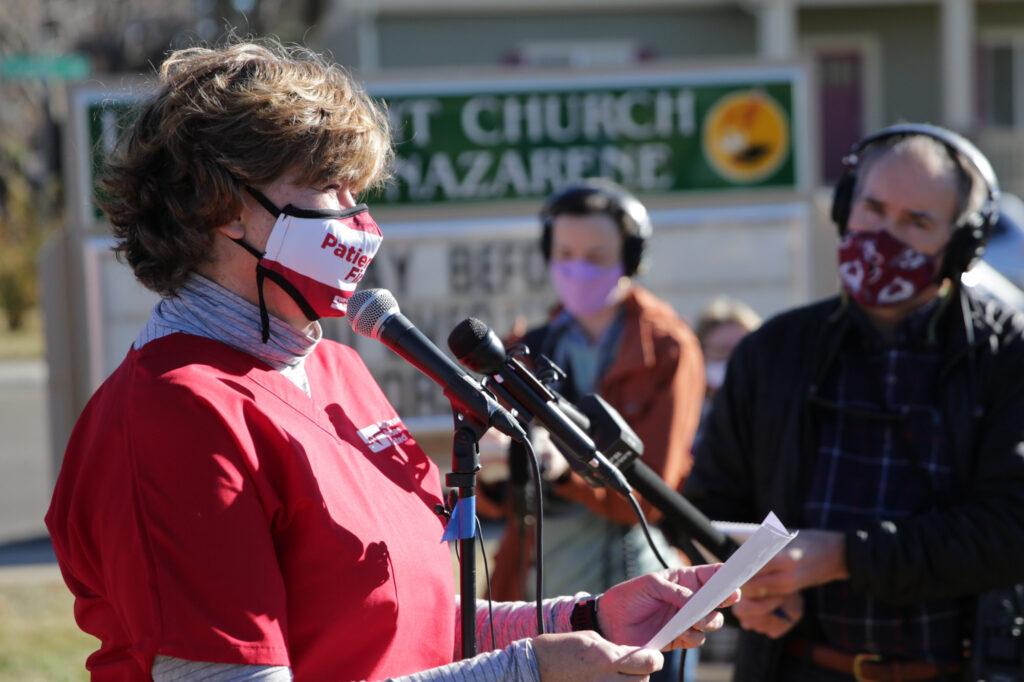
(462, 524)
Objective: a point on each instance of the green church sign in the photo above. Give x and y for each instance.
(717, 130)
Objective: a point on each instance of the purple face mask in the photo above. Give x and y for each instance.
(584, 288)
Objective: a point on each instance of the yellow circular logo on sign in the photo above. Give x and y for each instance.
(746, 136)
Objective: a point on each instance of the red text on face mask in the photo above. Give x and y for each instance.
(349, 254)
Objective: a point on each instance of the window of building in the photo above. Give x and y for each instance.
(1001, 80)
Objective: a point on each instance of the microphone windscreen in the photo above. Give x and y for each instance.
(367, 308)
(474, 345)
(466, 336)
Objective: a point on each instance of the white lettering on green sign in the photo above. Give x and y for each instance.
(490, 121)
(483, 174)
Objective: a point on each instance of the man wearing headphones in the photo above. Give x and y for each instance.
(888, 423)
(614, 338)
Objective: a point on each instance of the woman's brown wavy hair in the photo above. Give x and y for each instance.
(223, 118)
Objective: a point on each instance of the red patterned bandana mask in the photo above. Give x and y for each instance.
(877, 269)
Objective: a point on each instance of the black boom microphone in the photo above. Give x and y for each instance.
(374, 313)
(477, 347)
(681, 520)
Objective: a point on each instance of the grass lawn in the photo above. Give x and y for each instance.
(39, 639)
(26, 343)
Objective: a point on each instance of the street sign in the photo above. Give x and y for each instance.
(67, 67)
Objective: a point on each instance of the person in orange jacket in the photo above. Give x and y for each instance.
(614, 338)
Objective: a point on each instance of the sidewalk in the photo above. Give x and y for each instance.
(27, 553)
(25, 476)
(28, 562)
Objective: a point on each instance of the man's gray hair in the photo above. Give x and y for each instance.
(971, 190)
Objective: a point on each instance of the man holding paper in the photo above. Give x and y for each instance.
(888, 424)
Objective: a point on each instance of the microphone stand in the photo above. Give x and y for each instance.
(462, 478)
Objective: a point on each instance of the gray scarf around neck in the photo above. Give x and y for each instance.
(204, 308)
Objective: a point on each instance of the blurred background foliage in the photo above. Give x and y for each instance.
(46, 43)
(29, 213)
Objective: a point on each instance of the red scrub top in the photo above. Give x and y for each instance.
(208, 509)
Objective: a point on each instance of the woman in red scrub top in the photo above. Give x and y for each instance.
(239, 499)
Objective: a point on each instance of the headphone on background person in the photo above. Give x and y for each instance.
(972, 231)
(599, 196)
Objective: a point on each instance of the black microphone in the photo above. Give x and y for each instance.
(477, 347)
(374, 313)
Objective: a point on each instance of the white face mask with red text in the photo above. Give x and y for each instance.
(317, 256)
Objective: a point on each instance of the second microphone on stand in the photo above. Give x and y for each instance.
(478, 348)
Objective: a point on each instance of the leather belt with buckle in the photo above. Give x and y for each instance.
(867, 667)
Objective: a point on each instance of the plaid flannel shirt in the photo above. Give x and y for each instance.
(882, 454)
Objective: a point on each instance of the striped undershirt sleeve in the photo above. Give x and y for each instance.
(171, 669)
(514, 663)
(510, 658)
(516, 620)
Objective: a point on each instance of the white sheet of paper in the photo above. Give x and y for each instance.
(739, 532)
(769, 538)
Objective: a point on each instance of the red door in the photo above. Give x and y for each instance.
(841, 92)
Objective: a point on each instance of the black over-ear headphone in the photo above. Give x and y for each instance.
(971, 233)
(601, 196)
